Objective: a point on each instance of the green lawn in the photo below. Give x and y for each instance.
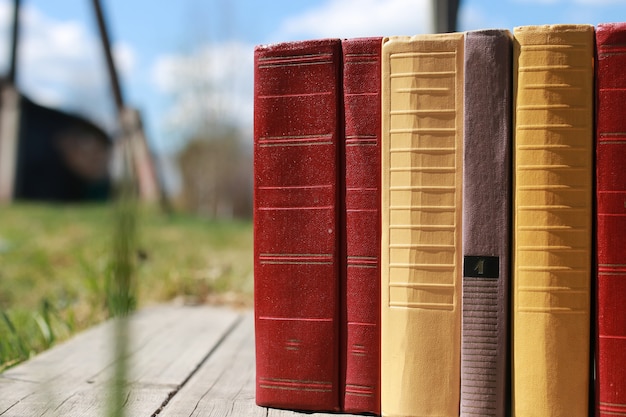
(56, 261)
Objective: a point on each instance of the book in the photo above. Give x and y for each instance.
(611, 220)
(361, 287)
(487, 145)
(297, 151)
(552, 210)
(421, 211)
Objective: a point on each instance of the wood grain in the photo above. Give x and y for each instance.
(168, 344)
(183, 361)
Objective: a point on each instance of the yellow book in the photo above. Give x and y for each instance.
(421, 259)
(553, 150)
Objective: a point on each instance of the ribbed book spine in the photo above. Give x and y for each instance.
(361, 329)
(553, 160)
(297, 148)
(486, 222)
(421, 257)
(611, 220)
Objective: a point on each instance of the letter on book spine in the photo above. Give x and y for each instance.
(361, 328)
(421, 257)
(297, 142)
(553, 160)
(486, 222)
(611, 220)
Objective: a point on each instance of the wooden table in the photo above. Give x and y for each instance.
(183, 361)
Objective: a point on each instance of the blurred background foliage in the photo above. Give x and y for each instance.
(56, 262)
(216, 174)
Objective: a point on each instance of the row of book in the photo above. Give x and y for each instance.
(439, 222)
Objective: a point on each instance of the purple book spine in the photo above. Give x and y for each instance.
(486, 222)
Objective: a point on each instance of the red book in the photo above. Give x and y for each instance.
(361, 326)
(611, 220)
(297, 144)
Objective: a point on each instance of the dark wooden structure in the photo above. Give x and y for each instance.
(60, 156)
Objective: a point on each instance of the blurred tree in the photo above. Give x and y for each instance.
(216, 172)
(205, 81)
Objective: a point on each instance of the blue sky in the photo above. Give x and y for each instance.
(187, 61)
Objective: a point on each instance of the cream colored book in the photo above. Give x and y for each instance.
(553, 184)
(421, 257)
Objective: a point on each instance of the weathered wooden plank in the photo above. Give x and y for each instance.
(224, 385)
(141, 401)
(183, 362)
(168, 344)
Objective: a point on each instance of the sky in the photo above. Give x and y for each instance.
(185, 62)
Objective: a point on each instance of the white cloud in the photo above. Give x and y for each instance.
(215, 81)
(354, 18)
(51, 51)
(212, 82)
(124, 57)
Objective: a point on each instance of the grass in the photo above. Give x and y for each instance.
(56, 262)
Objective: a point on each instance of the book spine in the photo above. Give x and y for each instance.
(486, 222)
(553, 157)
(611, 220)
(361, 350)
(297, 145)
(421, 257)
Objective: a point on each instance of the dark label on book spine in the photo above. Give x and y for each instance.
(481, 266)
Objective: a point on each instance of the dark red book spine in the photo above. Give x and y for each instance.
(611, 220)
(297, 149)
(361, 326)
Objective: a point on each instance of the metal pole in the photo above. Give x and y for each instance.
(106, 45)
(137, 162)
(14, 41)
(445, 12)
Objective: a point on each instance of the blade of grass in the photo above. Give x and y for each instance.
(121, 288)
(22, 348)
